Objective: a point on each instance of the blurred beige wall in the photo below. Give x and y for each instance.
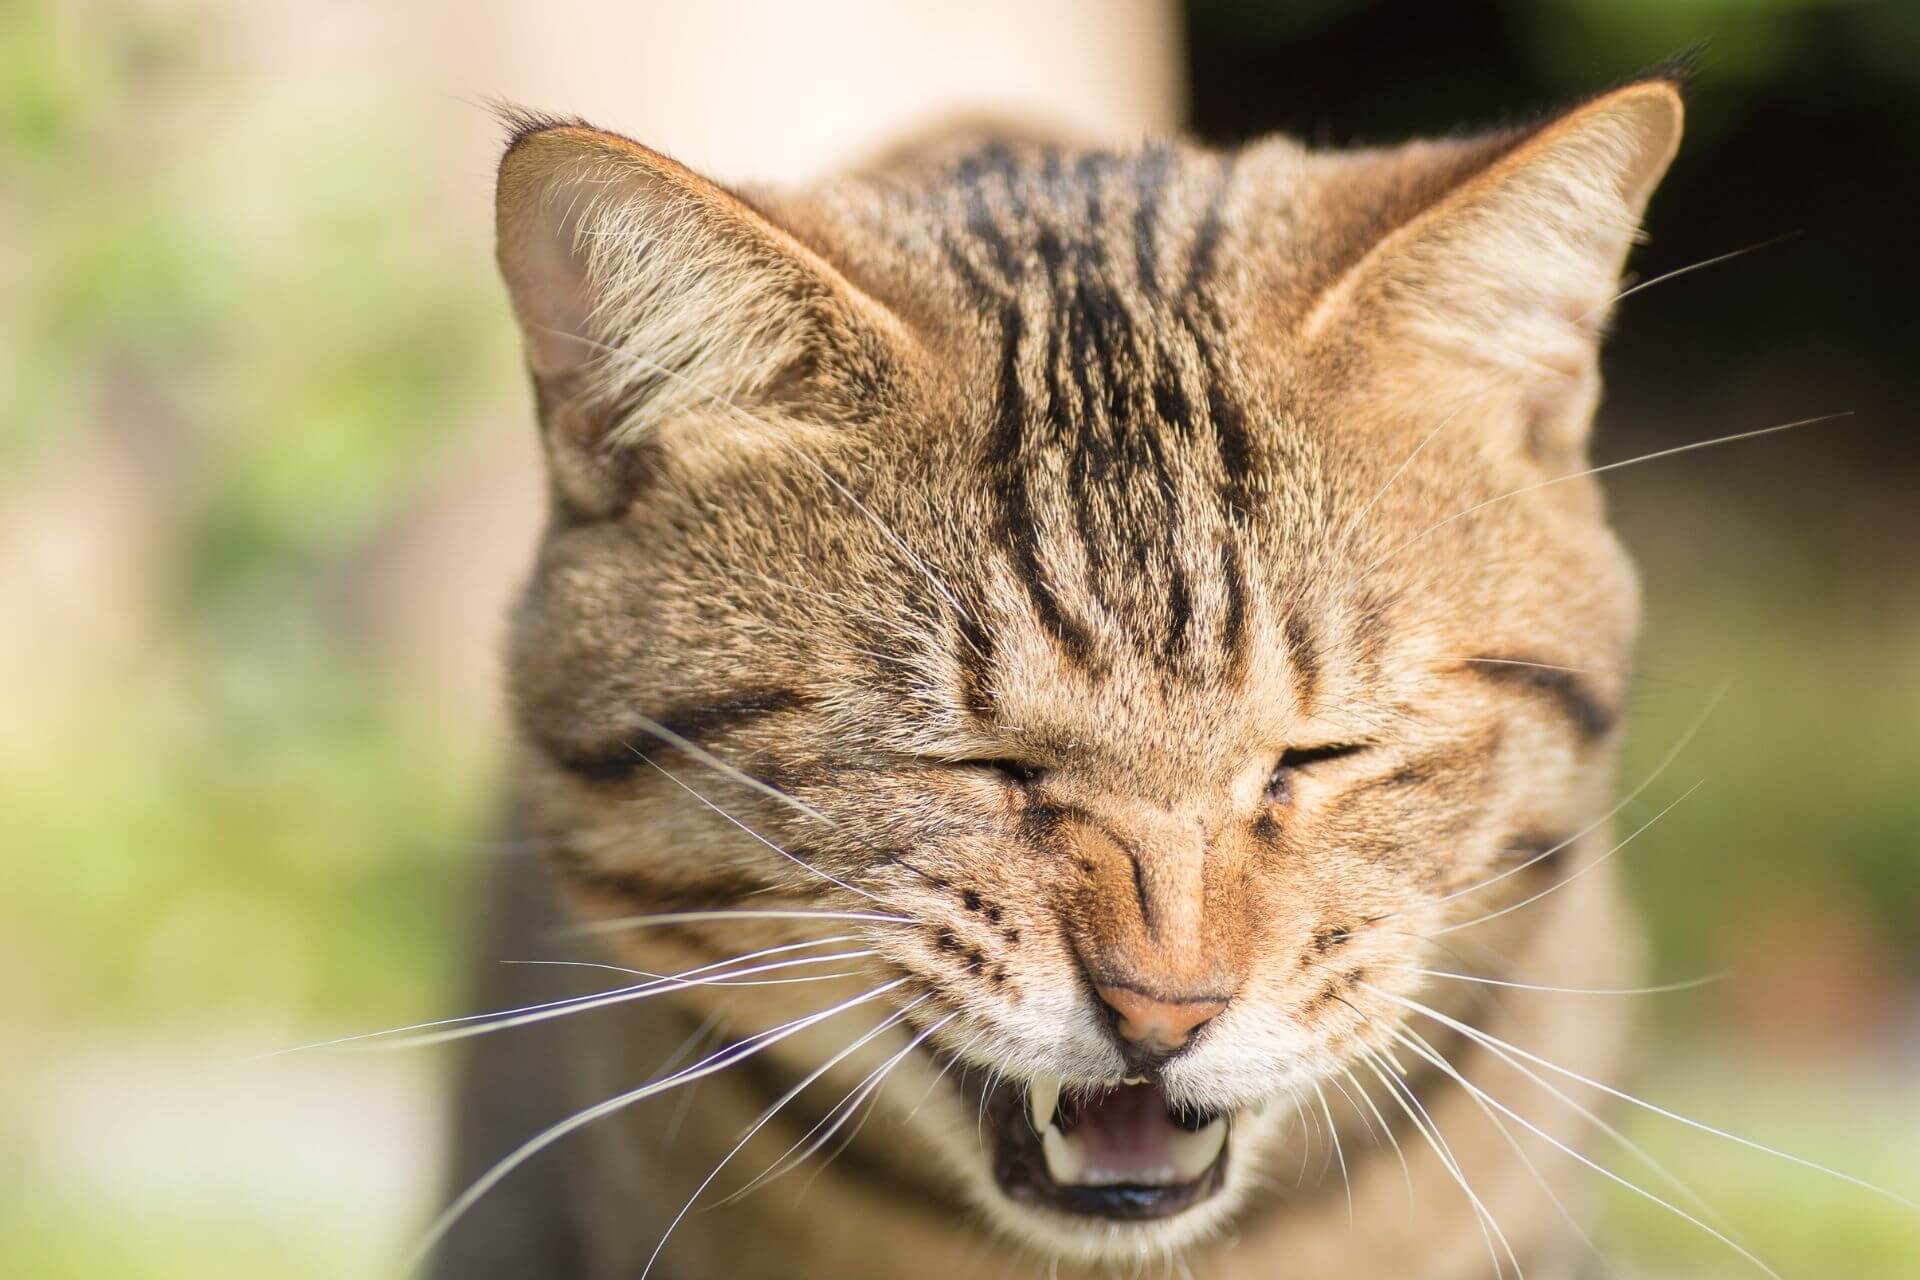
(737, 88)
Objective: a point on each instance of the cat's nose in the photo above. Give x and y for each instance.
(1155, 1025)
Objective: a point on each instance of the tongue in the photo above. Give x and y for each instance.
(1125, 1136)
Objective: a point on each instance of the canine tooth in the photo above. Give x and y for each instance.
(1043, 1095)
(1194, 1153)
(1066, 1158)
(1134, 1080)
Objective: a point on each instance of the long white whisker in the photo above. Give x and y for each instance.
(655, 729)
(1568, 879)
(740, 412)
(624, 995)
(1491, 1040)
(1401, 1093)
(547, 1137)
(804, 865)
(705, 1039)
(1526, 1161)
(869, 1098)
(568, 1002)
(1601, 1169)
(1538, 666)
(1664, 988)
(886, 531)
(711, 982)
(694, 917)
(1601, 1125)
(1346, 535)
(1594, 471)
(1345, 1181)
(1387, 1129)
(1653, 775)
(766, 1116)
(1677, 272)
(836, 1116)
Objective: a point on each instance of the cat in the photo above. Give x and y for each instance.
(1088, 663)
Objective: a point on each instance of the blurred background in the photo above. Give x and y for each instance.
(267, 477)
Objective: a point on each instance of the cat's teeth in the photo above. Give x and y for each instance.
(1194, 1153)
(1066, 1158)
(1043, 1095)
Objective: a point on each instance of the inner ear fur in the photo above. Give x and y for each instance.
(1503, 280)
(658, 308)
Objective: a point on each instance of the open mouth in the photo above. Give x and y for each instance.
(1108, 1151)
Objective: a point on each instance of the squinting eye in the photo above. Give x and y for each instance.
(1279, 787)
(1017, 772)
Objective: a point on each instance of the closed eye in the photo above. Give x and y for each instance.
(1295, 759)
(1020, 773)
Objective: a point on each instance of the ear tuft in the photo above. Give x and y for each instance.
(1503, 282)
(653, 302)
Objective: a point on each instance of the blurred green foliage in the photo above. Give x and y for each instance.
(303, 348)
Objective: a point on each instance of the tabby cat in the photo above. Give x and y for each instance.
(1078, 659)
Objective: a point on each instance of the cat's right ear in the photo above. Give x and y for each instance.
(661, 312)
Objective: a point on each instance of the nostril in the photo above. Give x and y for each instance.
(1155, 1022)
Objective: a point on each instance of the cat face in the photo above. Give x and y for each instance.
(1143, 591)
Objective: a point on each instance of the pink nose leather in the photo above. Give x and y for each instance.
(1155, 1023)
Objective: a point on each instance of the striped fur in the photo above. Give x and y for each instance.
(1058, 548)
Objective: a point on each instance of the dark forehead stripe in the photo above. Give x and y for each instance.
(1017, 524)
(1102, 386)
(1150, 183)
(1591, 716)
(697, 722)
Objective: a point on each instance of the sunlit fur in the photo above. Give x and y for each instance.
(1138, 468)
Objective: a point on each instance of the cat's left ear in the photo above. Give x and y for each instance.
(662, 313)
(1503, 283)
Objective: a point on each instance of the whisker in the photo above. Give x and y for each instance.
(1526, 1161)
(1568, 879)
(802, 863)
(1353, 1106)
(886, 530)
(767, 1115)
(1538, 666)
(617, 996)
(869, 1098)
(553, 1133)
(1689, 985)
(1490, 1039)
(715, 982)
(1677, 272)
(582, 1004)
(1334, 1132)
(1599, 1168)
(1653, 775)
(1594, 471)
(554, 1004)
(1402, 1094)
(1601, 1125)
(837, 1115)
(739, 411)
(655, 729)
(705, 1039)
(1346, 535)
(695, 917)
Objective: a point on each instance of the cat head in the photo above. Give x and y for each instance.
(1148, 590)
